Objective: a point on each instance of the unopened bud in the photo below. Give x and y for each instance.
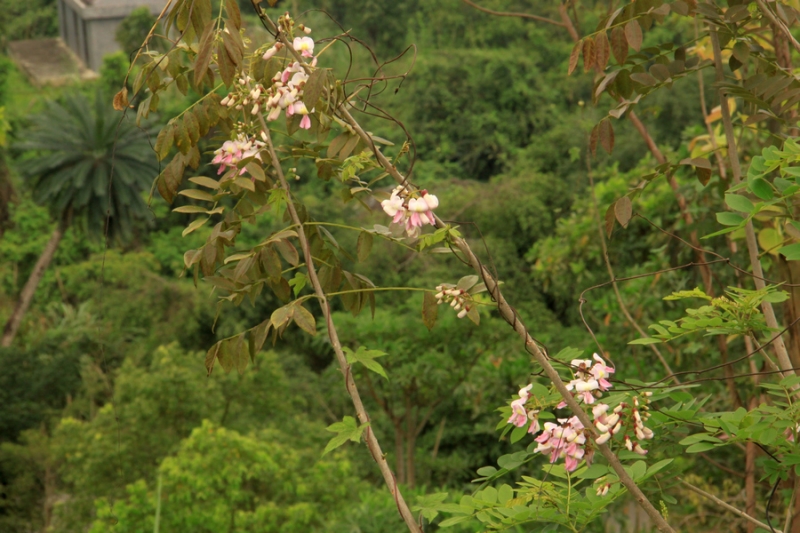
(254, 110)
(462, 313)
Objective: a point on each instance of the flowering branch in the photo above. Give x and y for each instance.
(506, 311)
(350, 384)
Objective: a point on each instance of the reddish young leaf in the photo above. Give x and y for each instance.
(606, 133)
(602, 52)
(619, 45)
(593, 138)
(430, 310)
(633, 32)
(204, 54)
(623, 210)
(573, 57)
(588, 54)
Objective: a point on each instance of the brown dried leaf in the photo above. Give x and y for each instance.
(121, 99)
(619, 45)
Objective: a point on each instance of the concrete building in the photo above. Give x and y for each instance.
(88, 27)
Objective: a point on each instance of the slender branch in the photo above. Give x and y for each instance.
(787, 526)
(604, 248)
(510, 315)
(562, 10)
(729, 507)
(510, 14)
(778, 23)
(506, 311)
(350, 384)
(752, 244)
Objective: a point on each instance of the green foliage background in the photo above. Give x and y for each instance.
(107, 411)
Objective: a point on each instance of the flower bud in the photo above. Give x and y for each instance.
(254, 110)
(602, 439)
(463, 313)
(224, 101)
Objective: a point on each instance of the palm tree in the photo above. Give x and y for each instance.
(75, 147)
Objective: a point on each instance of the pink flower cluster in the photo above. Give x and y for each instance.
(232, 152)
(286, 92)
(412, 212)
(565, 440)
(568, 438)
(589, 378)
(520, 416)
(459, 300)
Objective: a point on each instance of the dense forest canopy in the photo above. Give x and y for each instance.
(291, 189)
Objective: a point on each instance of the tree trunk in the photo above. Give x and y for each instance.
(26, 296)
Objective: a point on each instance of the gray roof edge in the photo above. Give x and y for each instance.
(114, 8)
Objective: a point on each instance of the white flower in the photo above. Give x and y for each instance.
(304, 45)
(431, 200)
(417, 205)
(392, 205)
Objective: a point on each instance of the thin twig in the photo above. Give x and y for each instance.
(752, 245)
(516, 15)
(778, 23)
(350, 384)
(729, 507)
(612, 277)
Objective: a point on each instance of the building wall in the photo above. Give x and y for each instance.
(73, 30)
(101, 35)
(90, 31)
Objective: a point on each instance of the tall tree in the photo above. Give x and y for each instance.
(90, 169)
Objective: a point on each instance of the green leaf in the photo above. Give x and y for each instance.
(430, 310)
(761, 188)
(487, 471)
(193, 226)
(453, 521)
(314, 87)
(205, 182)
(593, 472)
(727, 218)
(517, 433)
(304, 319)
(197, 194)
(467, 282)
(298, 282)
(737, 202)
(791, 252)
(346, 430)
(366, 358)
(364, 245)
(645, 340)
(776, 297)
(700, 447)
